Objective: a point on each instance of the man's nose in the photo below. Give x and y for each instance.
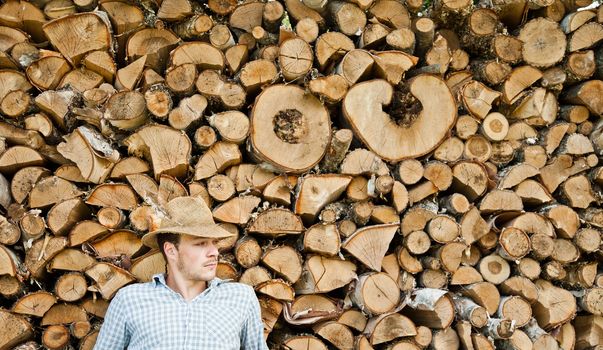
(213, 249)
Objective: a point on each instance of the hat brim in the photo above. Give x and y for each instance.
(204, 231)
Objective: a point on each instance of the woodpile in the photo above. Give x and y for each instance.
(399, 175)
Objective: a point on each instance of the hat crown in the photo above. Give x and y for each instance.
(185, 215)
(186, 211)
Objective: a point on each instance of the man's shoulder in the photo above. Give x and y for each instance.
(236, 287)
(136, 289)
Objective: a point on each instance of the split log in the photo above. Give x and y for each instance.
(97, 35)
(330, 48)
(539, 337)
(236, 210)
(335, 333)
(276, 289)
(432, 308)
(331, 88)
(202, 54)
(353, 318)
(71, 260)
(166, 149)
(94, 164)
(322, 239)
(554, 305)
(484, 294)
(285, 261)
(108, 279)
(302, 342)
(18, 329)
(588, 332)
(317, 191)
(253, 177)
(113, 195)
(213, 86)
(321, 275)
(62, 216)
(388, 327)
(377, 238)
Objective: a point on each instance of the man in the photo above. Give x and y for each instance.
(188, 307)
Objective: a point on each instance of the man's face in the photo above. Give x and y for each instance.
(196, 258)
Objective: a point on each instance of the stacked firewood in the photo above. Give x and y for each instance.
(398, 175)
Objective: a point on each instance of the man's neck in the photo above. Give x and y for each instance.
(187, 288)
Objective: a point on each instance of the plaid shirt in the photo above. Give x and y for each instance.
(152, 316)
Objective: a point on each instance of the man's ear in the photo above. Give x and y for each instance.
(170, 249)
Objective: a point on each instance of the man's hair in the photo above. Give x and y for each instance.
(167, 237)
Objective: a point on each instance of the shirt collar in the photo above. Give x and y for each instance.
(159, 279)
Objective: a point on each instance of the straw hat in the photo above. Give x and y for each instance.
(186, 216)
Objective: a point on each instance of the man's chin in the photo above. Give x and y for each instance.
(208, 276)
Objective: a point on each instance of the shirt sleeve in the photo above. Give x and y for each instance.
(114, 333)
(252, 335)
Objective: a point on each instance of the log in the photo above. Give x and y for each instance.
(376, 293)
(355, 66)
(70, 287)
(256, 74)
(94, 164)
(331, 88)
(377, 238)
(295, 122)
(432, 308)
(202, 54)
(588, 332)
(552, 41)
(214, 86)
(236, 210)
(322, 239)
(108, 279)
(321, 275)
(354, 110)
(388, 327)
(295, 58)
(335, 333)
(18, 329)
(484, 294)
(469, 311)
(548, 314)
(284, 261)
(65, 214)
(539, 337)
(69, 44)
